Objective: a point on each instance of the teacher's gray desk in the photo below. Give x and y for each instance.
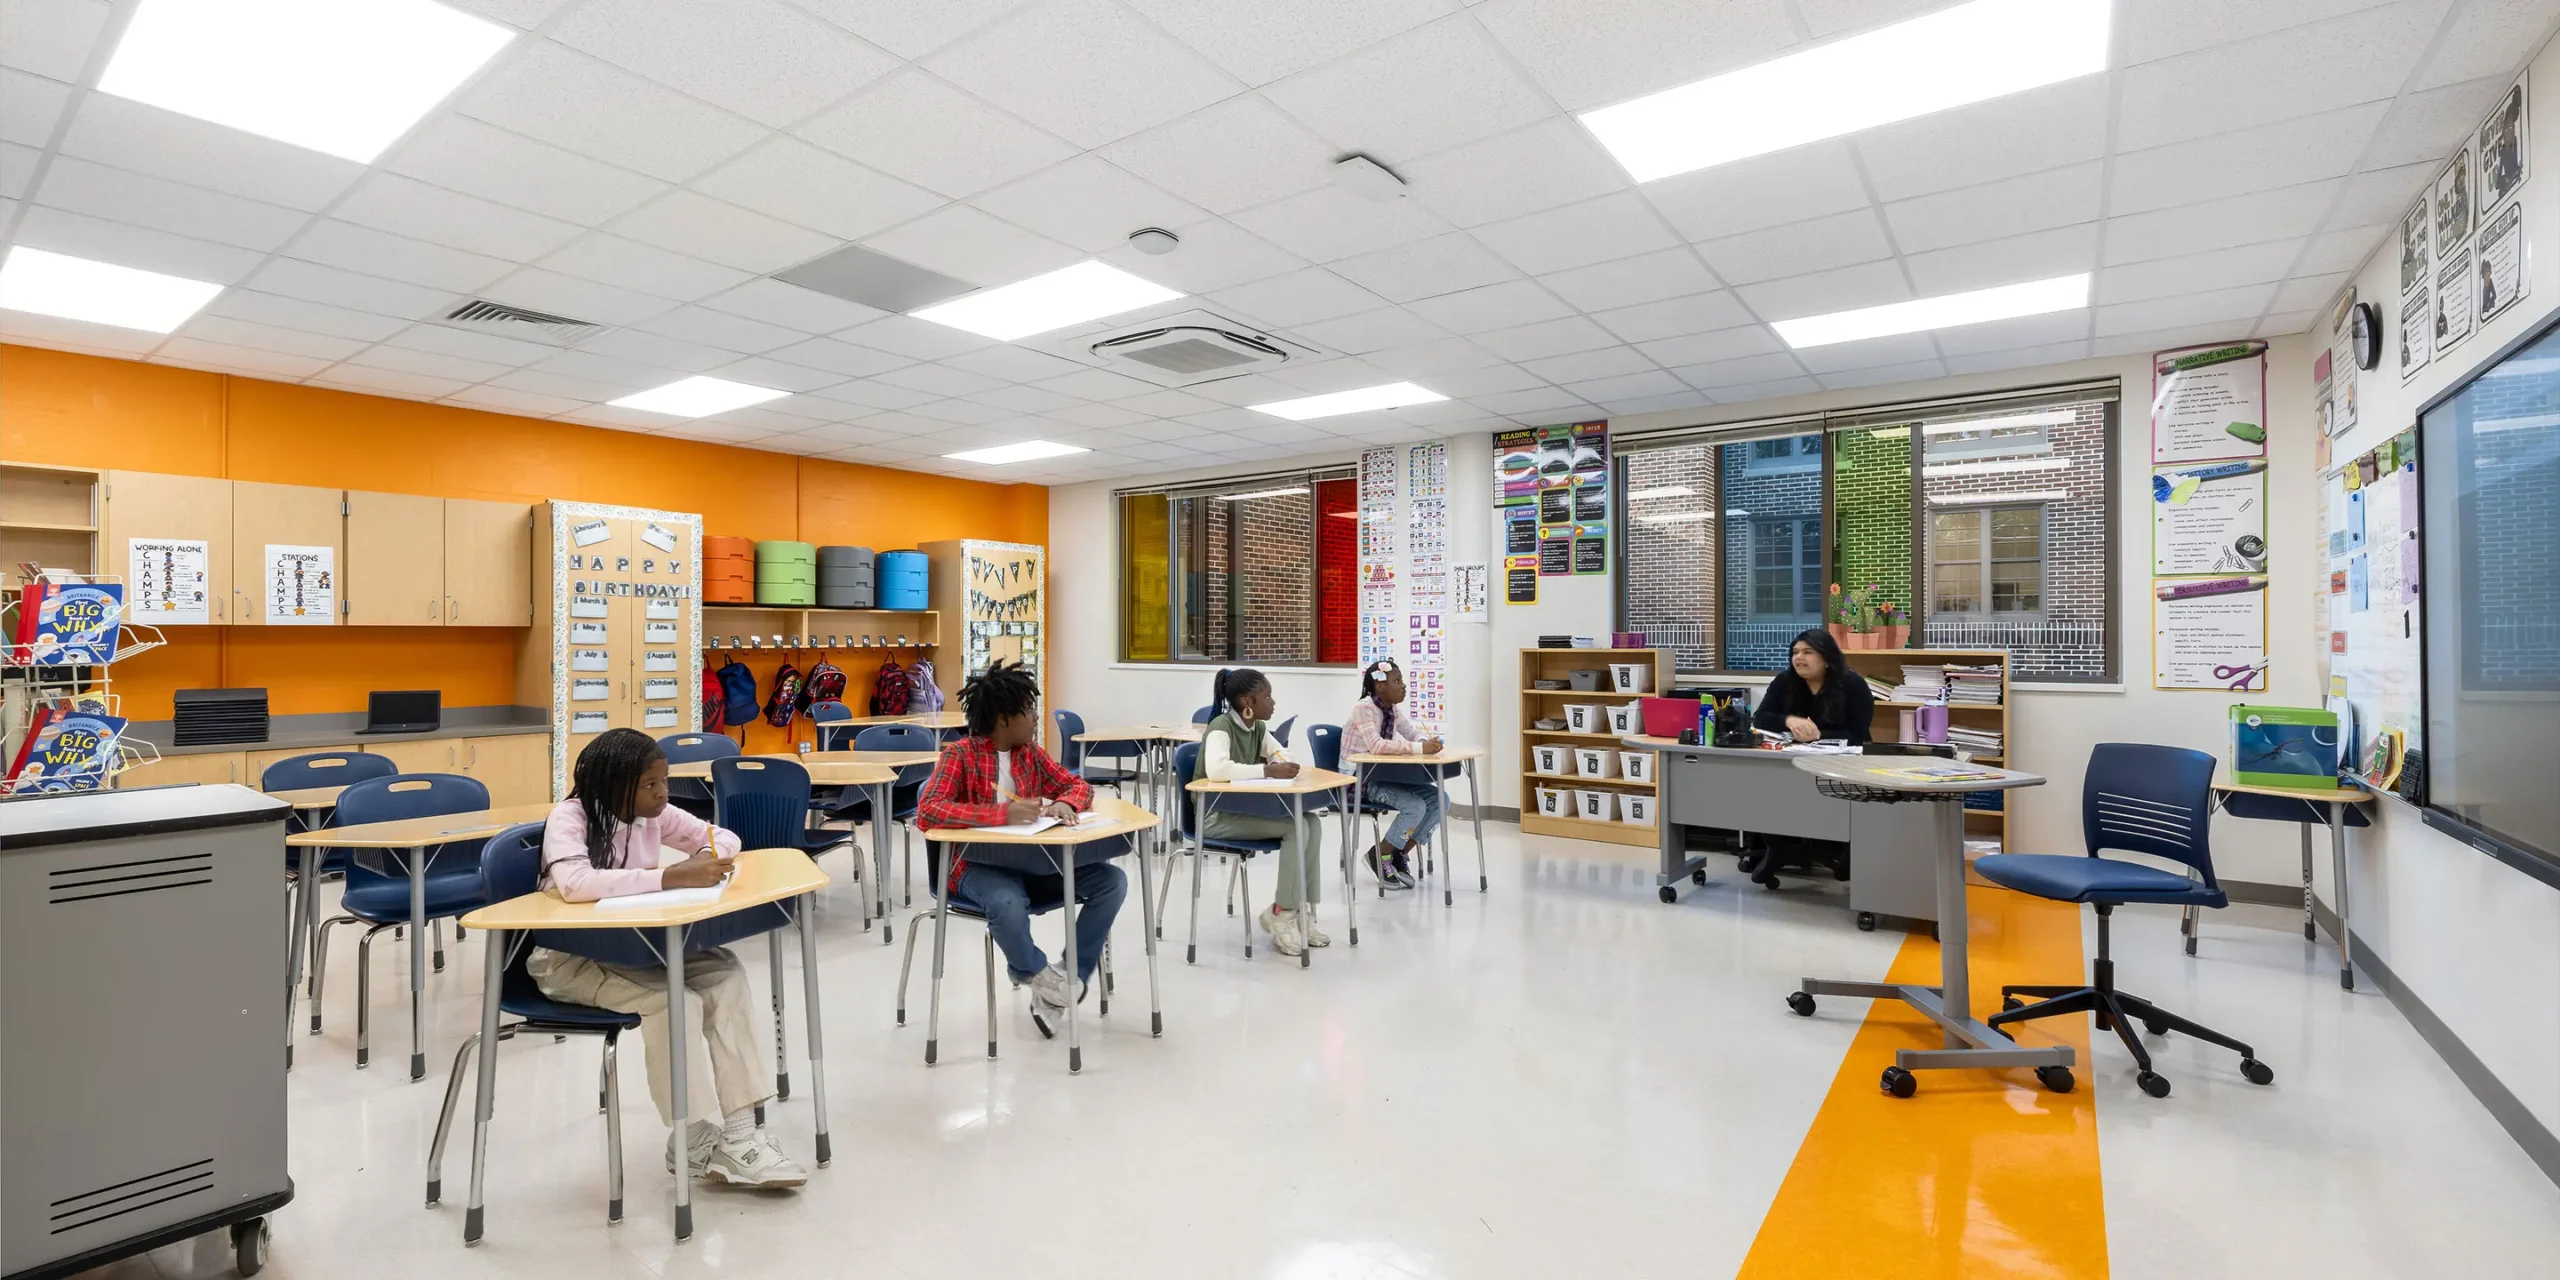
(1748, 789)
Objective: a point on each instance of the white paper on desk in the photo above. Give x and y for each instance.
(1822, 747)
(1265, 784)
(703, 896)
(1031, 828)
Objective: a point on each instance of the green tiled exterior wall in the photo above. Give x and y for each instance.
(1871, 505)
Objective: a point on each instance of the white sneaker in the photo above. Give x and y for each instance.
(1288, 937)
(705, 1136)
(1316, 937)
(753, 1161)
(1051, 990)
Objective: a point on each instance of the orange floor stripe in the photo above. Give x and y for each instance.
(1983, 1173)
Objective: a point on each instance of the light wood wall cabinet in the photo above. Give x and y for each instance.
(617, 620)
(516, 768)
(393, 574)
(207, 767)
(488, 564)
(151, 505)
(264, 515)
(49, 515)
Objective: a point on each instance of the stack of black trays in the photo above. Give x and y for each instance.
(207, 717)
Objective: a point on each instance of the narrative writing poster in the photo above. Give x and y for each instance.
(2209, 403)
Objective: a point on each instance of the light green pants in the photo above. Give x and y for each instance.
(1301, 880)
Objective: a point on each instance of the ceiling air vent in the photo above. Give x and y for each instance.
(1194, 347)
(483, 316)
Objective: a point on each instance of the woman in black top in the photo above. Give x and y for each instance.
(1818, 696)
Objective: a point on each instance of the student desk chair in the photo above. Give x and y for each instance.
(1434, 770)
(1156, 765)
(1284, 798)
(646, 935)
(2338, 807)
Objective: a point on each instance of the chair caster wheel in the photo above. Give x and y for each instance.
(249, 1246)
(1801, 1003)
(1667, 894)
(2153, 1083)
(1899, 1083)
(2009, 1004)
(1866, 922)
(2256, 1072)
(1766, 882)
(1697, 877)
(2155, 1027)
(2055, 1079)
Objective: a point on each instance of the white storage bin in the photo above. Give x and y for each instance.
(1636, 766)
(1636, 811)
(1596, 806)
(1631, 677)
(1595, 762)
(1586, 717)
(1555, 760)
(1627, 719)
(1555, 802)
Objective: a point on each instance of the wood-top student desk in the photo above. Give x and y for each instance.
(2332, 802)
(1110, 818)
(309, 798)
(1463, 757)
(761, 876)
(877, 770)
(411, 837)
(1309, 781)
(1156, 766)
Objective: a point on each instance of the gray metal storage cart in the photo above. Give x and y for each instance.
(142, 1094)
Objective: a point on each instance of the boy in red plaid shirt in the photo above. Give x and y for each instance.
(996, 775)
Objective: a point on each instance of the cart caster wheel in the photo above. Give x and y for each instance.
(2011, 1003)
(1697, 877)
(2153, 1083)
(1899, 1083)
(1801, 1003)
(2055, 1079)
(1766, 882)
(1668, 894)
(1866, 922)
(2155, 1028)
(249, 1246)
(2256, 1072)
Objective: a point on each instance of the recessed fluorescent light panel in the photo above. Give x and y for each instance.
(697, 397)
(1262, 493)
(1393, 395)
(336, 76)
(54, 284)
(1067, 296)
(2007, 302)
(1027, 451)
(1965, 54)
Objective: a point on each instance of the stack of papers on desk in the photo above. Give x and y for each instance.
(1268, 784)
(1921, 682)
(1038, 825)
(696, 897)
(1821, 747)
(1973, 686)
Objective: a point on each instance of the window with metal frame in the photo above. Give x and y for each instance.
(1986, 563)
(1242, 570)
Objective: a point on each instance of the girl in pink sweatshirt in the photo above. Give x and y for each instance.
(1375, 728)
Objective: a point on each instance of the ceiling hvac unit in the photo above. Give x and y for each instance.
(1193, 347)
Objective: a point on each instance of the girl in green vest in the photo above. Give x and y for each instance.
(1238, 744)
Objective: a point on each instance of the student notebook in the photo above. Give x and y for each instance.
(695, 897)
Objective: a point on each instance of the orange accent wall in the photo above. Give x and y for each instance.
(88, 411)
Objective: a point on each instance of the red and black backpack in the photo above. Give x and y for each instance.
(713, 699)
(784, 707)
(889, 689)
(826, 684)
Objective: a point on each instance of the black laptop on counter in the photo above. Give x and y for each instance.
(403, 711)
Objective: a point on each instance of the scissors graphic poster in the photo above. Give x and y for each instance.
(2209, 519)
(2215, 639)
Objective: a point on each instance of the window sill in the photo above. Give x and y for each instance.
(1340, 668)
(2029, 686)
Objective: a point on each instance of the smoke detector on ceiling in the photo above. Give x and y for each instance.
(1153, 240)
(1193, 347)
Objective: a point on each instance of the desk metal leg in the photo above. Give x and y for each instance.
(306, 898)
(1147, 905)
(1067, 911)
(2338, 869)
(493, 950)
(941, 926)
(1475, 815)
(817, 1032)
(418, 963)
(1191, 947)
(1306, 889)
(1350, 825)
(2310, 927)
(781, 1057)
(880, 825)
(1440, 783)
(679, 1051)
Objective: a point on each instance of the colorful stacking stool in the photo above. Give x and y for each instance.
(845, 578)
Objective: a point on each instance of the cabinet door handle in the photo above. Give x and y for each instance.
(452, 609)
(448, 755)
(475, 756)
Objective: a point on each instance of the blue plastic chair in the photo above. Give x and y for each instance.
(511, 867)
(823, 714)
(1281, 730)
(1078, 757)
(951, 903)
(765, 800)
(902, 792)
(1204, 715)
(2138, 798)
(320, 769)
(380, 898)
(1186, 760)
(693, 795)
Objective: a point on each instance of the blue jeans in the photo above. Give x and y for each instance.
(1417, 810)
(1011, 898)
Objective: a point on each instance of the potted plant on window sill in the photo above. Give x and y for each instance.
(1860, 619)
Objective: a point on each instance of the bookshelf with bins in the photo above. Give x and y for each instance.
(1983, 722)
(1537, 704)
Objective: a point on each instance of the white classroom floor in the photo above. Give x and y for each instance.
(1562, 1077)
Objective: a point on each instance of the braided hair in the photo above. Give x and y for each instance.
(1233, 685)
(606, 784)
(1375, 675)
(1002, 691)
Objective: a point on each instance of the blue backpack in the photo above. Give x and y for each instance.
(738, 689)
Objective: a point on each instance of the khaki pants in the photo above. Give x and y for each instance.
(738, 1068)
(1301, 848)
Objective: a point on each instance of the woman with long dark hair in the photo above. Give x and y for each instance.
(1817, 696)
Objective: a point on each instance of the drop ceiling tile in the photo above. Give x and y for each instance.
(714, 431)
(2220, 224)
(1865, 285)
(250, 360)
(1591, 53)
(544, 382)
(99, 191)
(423, 211)
(2165, 28)
(345, 245)
(1250, 388)
(802, 184)
(1536, 400)
(843, 358)
(1330, 223)
(1087, 70)
(1587, 366)
(126, 245)
(387, 382)
(1883, 375)
(2163, 339)
(569, 100)
(2012, 206)
(565, 295)
(52, 38)
(1673, 317)
(1426, 90)
(1844, 357)
(1467, 384)
(604, 369)
(1094, 415)
(722, 233)
(1025, 399)
(1258, 43)
(1549, 163)
(671, 356)
(874, 397)
(2007, 335)
(939, 379)
(2021, 358)
(77, 335)
(915, 339)
(1299, 297)
(2304, 293)
(1841, 240)
(2290, 322)
(2380, 195)
(2037, 255)
(646, 268)
(1239, 153)
(1088, 203)
(429, 363)
(17, 170)
(2238, 162)
(467, 343)
(305, 316)
(1627, 282)
(905, 28)
(1168, 403)
(2488, 38)
(164, 144)
(1143, 428)
(2047, 128)
(1426, 268)
(1006, 362)
(766, 417)
(267, 337)
(30, 106)
(2243, 303)
(1724, 375)
(839, 436)
(2319, 66)
(962, 411)
(2198, 272)
(764, 60)
(1371, 331)
(1097, 384)
(2430, 125)
(710, 328)
(1705, 348)
(1435, 359)
(2342, 250)
(1546, 338)
(527, 14)
(1576, 235)
(510, 400)
(958, 240)
(482, 160)
(765, 371)
(1213, 255)
(1493, 306)
(791, 306)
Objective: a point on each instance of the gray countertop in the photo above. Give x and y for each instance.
(338, 729)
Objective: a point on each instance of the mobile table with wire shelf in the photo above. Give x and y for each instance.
(1309, 781)
(761, 876)
(2335, 799)
(1439, 763)
(1970, 1042)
